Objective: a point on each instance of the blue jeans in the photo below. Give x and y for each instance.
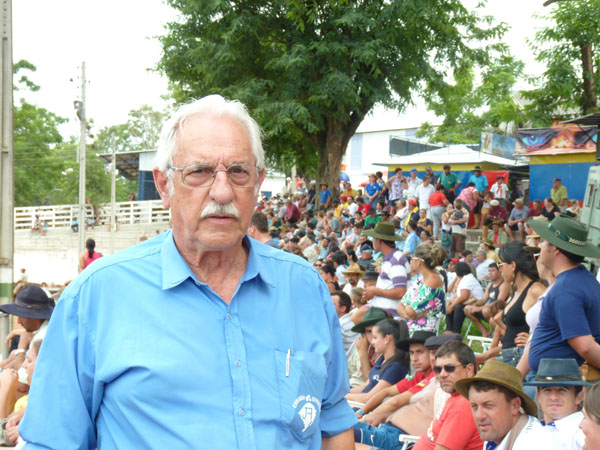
(385, 436)
(512, 355)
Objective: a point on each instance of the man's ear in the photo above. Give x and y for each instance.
(162, 184)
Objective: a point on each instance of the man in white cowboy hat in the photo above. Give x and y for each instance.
(353, 277)
(504, 415)
(569, 324)
(395, 269)
(560, 395)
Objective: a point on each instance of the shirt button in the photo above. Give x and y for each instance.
(238, 362)
(228, 316)
(242, 412)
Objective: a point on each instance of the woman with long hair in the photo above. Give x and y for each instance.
(424, 299)
(89, 255)
(391, 365)
(519, 270)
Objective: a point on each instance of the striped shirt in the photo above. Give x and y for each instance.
(394, 271)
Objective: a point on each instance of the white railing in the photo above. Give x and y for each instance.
(58, 216)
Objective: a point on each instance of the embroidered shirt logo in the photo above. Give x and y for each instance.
(309, 410)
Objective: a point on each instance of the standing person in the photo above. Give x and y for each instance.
(372, 191)
(500, 190)
(458, 225)
(413, 181)
(424, 299)
(120, 355)
(433, 178)
(569, 323)
(394, 185)
(559, 194)
(481, 184)
(423, 193)
(391, 284)
(89, 255)
(451, 183)
(325, 196)
(438, 203)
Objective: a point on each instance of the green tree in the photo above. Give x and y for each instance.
(310, 71)
(569, 85)
(474, 100)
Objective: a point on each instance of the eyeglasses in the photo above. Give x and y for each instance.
(203, 175)
(449, 368)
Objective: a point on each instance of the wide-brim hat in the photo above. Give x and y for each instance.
(31, 303)
(384, 231)
(489, 243)
(558, 372)
(371, 317)
(567, 234)
(354, 268)
(419, 337)
(501, 374)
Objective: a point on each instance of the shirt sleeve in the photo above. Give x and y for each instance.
(63, 399)
(336, 414)
(570, 314)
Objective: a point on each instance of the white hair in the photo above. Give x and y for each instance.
(216, 106)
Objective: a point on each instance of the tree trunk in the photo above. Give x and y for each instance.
(589, 103)
(331, 155)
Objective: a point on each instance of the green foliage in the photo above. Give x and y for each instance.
(474, 101)
(560, 91)
(309, 71)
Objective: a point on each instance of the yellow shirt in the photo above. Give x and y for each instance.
(21, 403)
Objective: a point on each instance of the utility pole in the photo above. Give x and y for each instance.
(6, 165)
(80, 108)
(113, 186)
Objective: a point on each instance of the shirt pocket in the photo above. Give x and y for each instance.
(301, 379)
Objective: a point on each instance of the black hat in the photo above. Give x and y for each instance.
(370, 275)
(31, 303)
(419, 337)
(438, 341)
(477, 168)
(558, 372)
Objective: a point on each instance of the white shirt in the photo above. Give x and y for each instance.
(568, 432)
(534, 436)
(470, 283)
(348, 336)
(412, 185)
(352, 208)
(483, 269)
(348, 287)
(500, 191)
(423, 193)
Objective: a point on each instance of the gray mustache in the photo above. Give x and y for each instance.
(216, 208)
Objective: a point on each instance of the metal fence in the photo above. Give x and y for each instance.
(58, 216)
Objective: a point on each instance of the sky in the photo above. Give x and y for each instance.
(116, 40)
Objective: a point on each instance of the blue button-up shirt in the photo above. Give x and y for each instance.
(140, 354)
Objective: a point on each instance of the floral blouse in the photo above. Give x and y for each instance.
(421, 298)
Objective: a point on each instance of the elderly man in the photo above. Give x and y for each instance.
(496, 212)
(503, 413)
(200, 335)
(516, 220)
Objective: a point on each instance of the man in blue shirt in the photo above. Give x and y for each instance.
(325, 196)
(569, 323)
(200, 336)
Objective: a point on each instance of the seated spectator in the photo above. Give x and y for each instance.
(454, 427)
(516, 220)
(574, 208)
(560, 395)
(37, 225)
(495, 213)
(392, 364)
(493, 300)
(328, 273)
(590, 425)
(536, 209)
(343, 305)
(469, 258)
(424, 298)
(372, 219)
(499, 237)
(412, 239)
(381, 429)
(365, 260)
(467, 291)
(550, 209)
(483, 264)
(511, 421)
(424, 224)
(353, 277)
(424, 237)
(399, 394)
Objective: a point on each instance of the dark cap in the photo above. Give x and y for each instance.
(438, 341)
(556, 179)
(370, 275)
(419, 337)
(477, 168)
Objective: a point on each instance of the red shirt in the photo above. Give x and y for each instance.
(437, 199)
(454, 428)
(414, 384)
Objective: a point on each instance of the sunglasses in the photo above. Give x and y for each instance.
(449, 368)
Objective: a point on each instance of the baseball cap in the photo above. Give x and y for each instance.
(556, 179)
(414, 170)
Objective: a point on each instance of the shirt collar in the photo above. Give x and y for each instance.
(175, 269)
